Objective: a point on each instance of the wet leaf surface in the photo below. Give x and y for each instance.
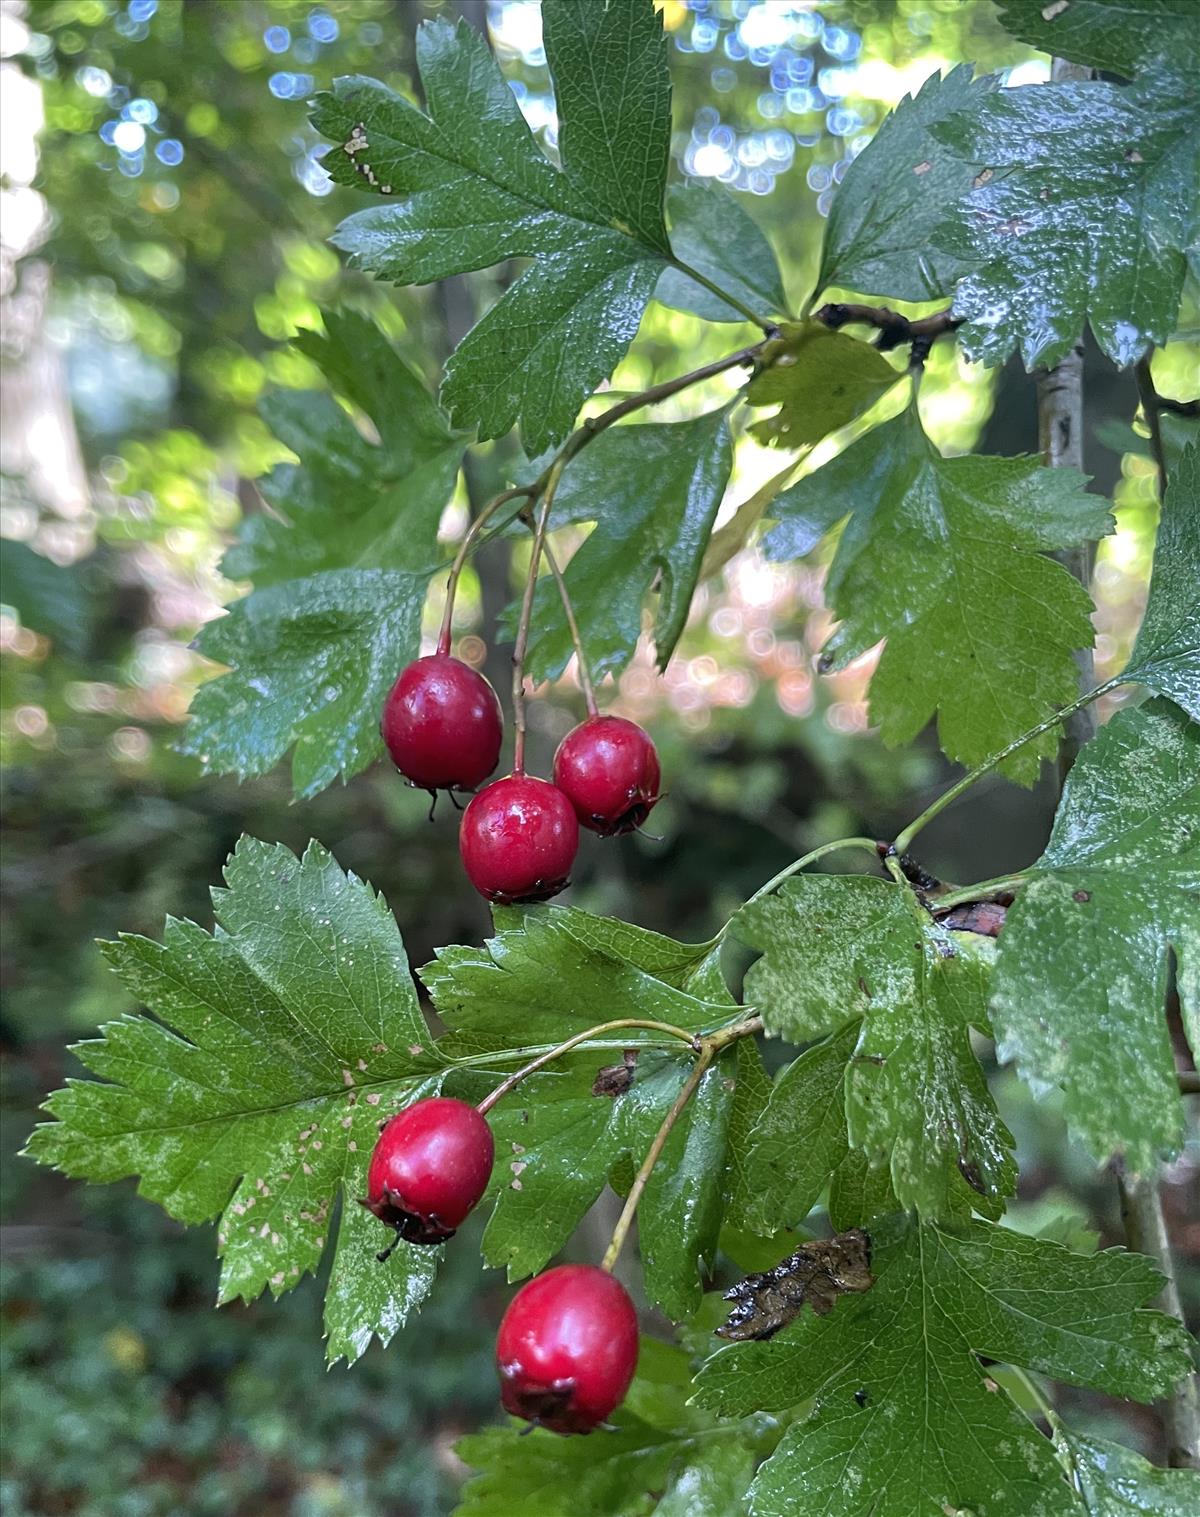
(904, 1418)
(1166, 655)
(841, 948)
(1080, 985)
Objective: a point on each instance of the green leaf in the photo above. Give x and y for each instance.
(840, 948)
(895, 192)
(683, 1205)
(278, 1045)
(800, 1139)
(713, 235)
(349, 502)
(820, 379)
(563, 1140)
(561, 972)
(1080, 985)
(653, 492)
(473, 189)
(613, 92)
(904, 1419)
(945, 558)
(663, 1456)
(49, 598)
(1086, 210)
(1116, 1482)
(557, 1139)
(1120, 36)
(310, 663)
(1166, 655)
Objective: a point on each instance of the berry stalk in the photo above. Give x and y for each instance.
(521, 646)
(708, 1048)
(513, 1080)
(464, 549)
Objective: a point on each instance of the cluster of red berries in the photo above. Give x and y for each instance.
(567, 1346)
(518, 839)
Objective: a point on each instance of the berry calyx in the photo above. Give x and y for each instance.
(607, 768)
(442, 724)
(430, 1166)
(567, 1348)
(518, 840)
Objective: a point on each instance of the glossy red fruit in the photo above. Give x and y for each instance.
(567, 1348)
(430, 1166)
(608, 769)
(518, 840)
(442, 724)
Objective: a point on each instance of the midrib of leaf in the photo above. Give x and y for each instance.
(240, 1114)
(587, 213)
(1007, 1307)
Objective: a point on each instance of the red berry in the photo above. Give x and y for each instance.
(518, 840)
(608, 769)
(567, 1348)
(430, 1166)
(442, 724)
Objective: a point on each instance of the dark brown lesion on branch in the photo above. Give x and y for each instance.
(894, 330)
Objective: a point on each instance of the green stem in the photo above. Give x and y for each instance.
(985, 888)
(904, 840)
(464, 549)
(629, 1210)
(802, 863)
(730, 300)
(559, 1049)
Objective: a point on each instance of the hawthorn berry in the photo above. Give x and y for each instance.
(567, 1348)
(442, 724)
(608, 769)
(518, 840)
(430, 1166)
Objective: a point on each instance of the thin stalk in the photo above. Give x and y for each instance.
(629, 1210)
(904, 840)
(464, 549)
(1189, 1082)
(968, 893)
(513, 1080)
(730, 300)
(581, 659)
(802, 863)
(507, 1055)
(521, 646)
(594, 425)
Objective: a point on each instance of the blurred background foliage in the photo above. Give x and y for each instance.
(165, 215)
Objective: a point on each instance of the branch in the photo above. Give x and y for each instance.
(894, 330)
(1153, 406)
(1146, 1233)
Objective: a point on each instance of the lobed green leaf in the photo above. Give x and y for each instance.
(280, 1043)
(945, 558)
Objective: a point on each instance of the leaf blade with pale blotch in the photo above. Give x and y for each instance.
(1081, 976)
(282, 1041)
(467, 187)
(1087, 213)
(877, 234)
(840, 948)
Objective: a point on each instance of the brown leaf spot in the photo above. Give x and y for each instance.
(923, 167)
(1056, 8)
